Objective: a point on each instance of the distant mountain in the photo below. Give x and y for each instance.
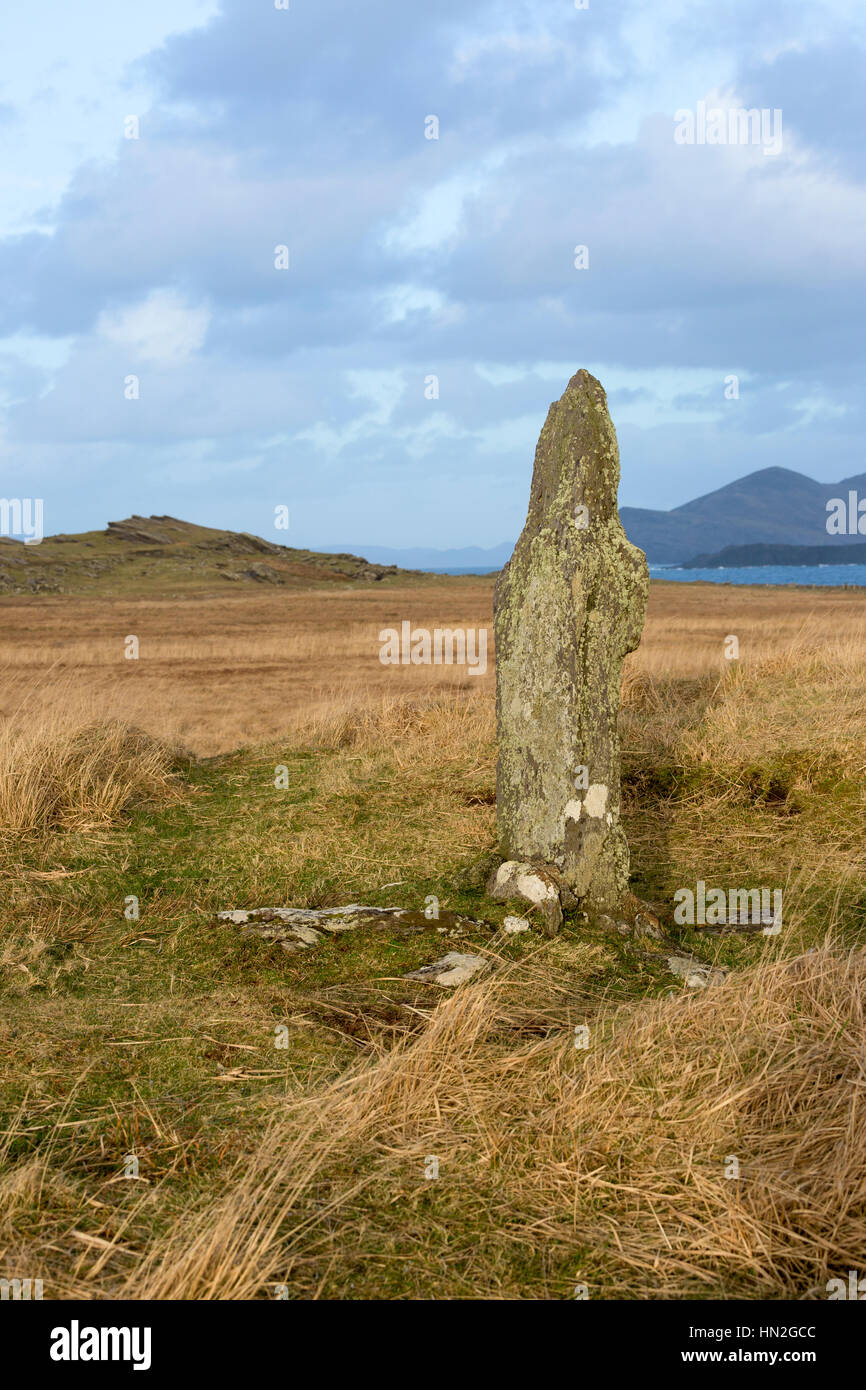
(470, 557)
(774, 506)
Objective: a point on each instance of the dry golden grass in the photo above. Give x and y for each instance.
(764, 709)
(218, 674)
(215, 674)
(56, 770)
(615, 1160)
(558, 1166)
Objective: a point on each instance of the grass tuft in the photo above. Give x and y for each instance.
(57, 772)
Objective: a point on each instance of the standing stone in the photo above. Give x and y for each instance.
(568, 606)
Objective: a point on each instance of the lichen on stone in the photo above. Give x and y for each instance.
(568, 607)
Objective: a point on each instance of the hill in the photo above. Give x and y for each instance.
(774, 506)
(735, 556)
(162, 555)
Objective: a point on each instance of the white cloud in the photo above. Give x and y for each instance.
(401, 300)
(162, 328)
(528, 48)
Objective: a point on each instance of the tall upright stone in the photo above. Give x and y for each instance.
(568, 606)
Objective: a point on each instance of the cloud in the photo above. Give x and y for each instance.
(452, 257)
(162, 328)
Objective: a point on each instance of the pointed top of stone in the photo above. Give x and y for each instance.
(577, 459)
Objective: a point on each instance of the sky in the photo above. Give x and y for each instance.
(324, 257)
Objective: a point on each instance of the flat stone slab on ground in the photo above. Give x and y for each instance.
(696, 973)
(453, 969)
(768, 924)
(299, 928)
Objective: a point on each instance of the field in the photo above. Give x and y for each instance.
(189, 1112)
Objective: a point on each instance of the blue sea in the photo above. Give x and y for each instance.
(829, 576)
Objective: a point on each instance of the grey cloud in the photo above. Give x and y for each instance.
(310, 134)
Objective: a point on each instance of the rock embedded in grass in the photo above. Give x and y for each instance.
(697, 974)
(453, 969)
(513, 925)
(534, 884)
(299, 928)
